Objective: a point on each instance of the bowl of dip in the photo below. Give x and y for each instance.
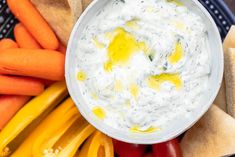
(144, 71)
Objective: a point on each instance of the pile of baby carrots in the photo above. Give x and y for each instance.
(27, 65)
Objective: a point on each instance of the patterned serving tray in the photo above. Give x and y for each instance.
(220, 12)
(222, 15)
(7, 21)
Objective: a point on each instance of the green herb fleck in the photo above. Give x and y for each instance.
(150, 57)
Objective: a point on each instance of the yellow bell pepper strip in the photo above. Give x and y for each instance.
(56, 136)
(37, 107)
(25, 148)
(84, 150)
(46, 140)
(98, 145)
(71, 145)
(76, 154)
(101, 152)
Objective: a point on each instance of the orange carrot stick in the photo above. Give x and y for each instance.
(18, 85)
(9, 105)
(62, 48)
(24, 38)
(45, 64)
(7, 44)
(28, 15)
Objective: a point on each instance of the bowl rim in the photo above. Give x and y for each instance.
(126, 137)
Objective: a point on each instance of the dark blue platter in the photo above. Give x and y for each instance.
(222, 15)
(7, 20)
(220, 12)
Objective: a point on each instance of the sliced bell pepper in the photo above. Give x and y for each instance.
(167, 149)
(125, 149)
(53, 123)
(149, 155)
(98, 145)
(30, 115)
(70, 144)
(46, 140)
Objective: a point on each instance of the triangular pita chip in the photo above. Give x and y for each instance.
(211, 136)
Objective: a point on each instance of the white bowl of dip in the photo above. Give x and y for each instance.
(144, 71)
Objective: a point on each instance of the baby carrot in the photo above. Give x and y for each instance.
(18, 85)
(45, 64)
(24, 38)
(9, 105)
(7, 44)
(29, 16)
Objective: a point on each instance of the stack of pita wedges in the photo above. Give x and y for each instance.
(214, 134)
(61, 14)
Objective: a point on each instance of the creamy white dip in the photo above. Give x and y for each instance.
(142, 63)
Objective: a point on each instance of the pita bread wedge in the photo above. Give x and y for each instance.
(229, 41)
(212, 136)
(63, 15)
(85, 3)
(229, 73)
(220, 100)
